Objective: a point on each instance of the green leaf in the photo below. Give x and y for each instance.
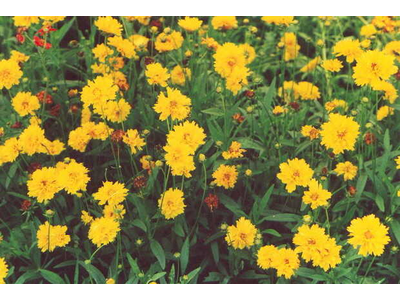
(184, 255)
(192, 274)
(361, 182)
(267, 196)
(158, 252)
(215, 251)
(157, 276)
(282, 218)
(94, 272)
(52, 277)
(11, 173)
(213, 111)
(139, 223)
(133, 264)
(232, 205)
(380, 202)
(395, 226)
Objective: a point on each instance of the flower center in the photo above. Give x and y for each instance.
(243, 236)
(368, 235)
(341, 134)
(311, 241)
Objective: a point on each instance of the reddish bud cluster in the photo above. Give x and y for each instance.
(212, 201)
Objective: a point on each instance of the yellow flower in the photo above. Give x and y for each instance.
(101, 52)
(10, 73)
(237, 79)
(295, 172)
(108, 25)
(368, 30)
(329, 255)
(140, 41)
(86, 218)
(311, 65)
(123, 46)
(316, 196)
(53, 147)
(249, 52)
(211, 43)
(174, 104)
(308, 241)
(99, 131)
(112, 193)
(144, 20)
(178, 157)
(242, 234)
(43, 184)
(168, 41)
(157, 74)
(372, 67)
(309, 131)
(110, 281)
(340, 133)
(398, 162)
(179, 75)
(332, 65)
(9, 151)
(266, 256)
(19, 57)
(369, 235)
(349, 48)
(277, 110)
(347, 169)
(133, 140)
(25, 103)
(227, 58)
(171, 203)
(190, 24)
(389, 89)
(3, 270)
(72, 177)
(78, 139)
(286, 261)
(31, 140)
(307, 91)
(103, 231)
(117, 111)
(49, 237)
(98, 92)
(393, 48)
(224, 23)
(383, 112)
(225, 176)
(335, 103)
(187, 133)
(116, 212)
(278, 20)
(25, 21)
(288, 91)
(234, 151)
(289, 41)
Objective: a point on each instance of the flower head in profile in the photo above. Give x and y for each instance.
(157, 74)
(109, 25)
(103, 231)
(172, 104)
(311, 65)
(291, 47)
(224, 23)
(309, 131)
(316, 195)
(383, 112)
(242, 234)
(347, 169)
(111, 193)
(190, 24)
(369, 235)
(225, 176)
(332, 65)
(339, 133)
(307, 91)
(179, 75)
(172, 203)
(25, 21)
(49, 237)
(295, 172)
(278, 20)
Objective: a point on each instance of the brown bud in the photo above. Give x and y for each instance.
(139, 182)
(212, 201)
(117, 136)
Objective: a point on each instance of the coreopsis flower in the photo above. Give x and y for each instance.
(140, 41)
(225, 176)
(43, 184)
(124, 46)
(234, 151)
(307, 91)
(369, 235)
(133, 140)
(168, 41)
(116, 212)
(50, 20)
(179, 75)
(368, 30)
(147, 163)
(19, 57)
(9, 151)
(329, 255)
(178, 157)
(291, 47)
(25, 103)
(110, 281)
(98, 92)
(53, 147)
(309, 240)
(10, 73)
(309, 131)
(172, 104)
(347, 169)
(249, 52)
(311, 65)
(190, 24)
(99, 131)
(316, 195)
(108, 25)
(101, 52)
(117, 111)
(210, 42)
(79, 139)
(237, 79)
(332, 65)
(224, 23)
(187, 133)
(335, 103)
(389, 89)
(157, 74)
(31, 140)
(266, 256)
(144, 20)
(295, 172)
(112, 193)
(383, 112)
(386, 23)
(172, 203)
(103, 231)
(227, 58)
(49, 237)
(349, 48)
(278, 110)
(3, 270)
(393, 48)
(286, 262)
(72, 176)
(397, 162)
(288, 91)
(25, 21)
(339, 133)
(86, 218)
(278, 20)
(241, 235)
(372, 67)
